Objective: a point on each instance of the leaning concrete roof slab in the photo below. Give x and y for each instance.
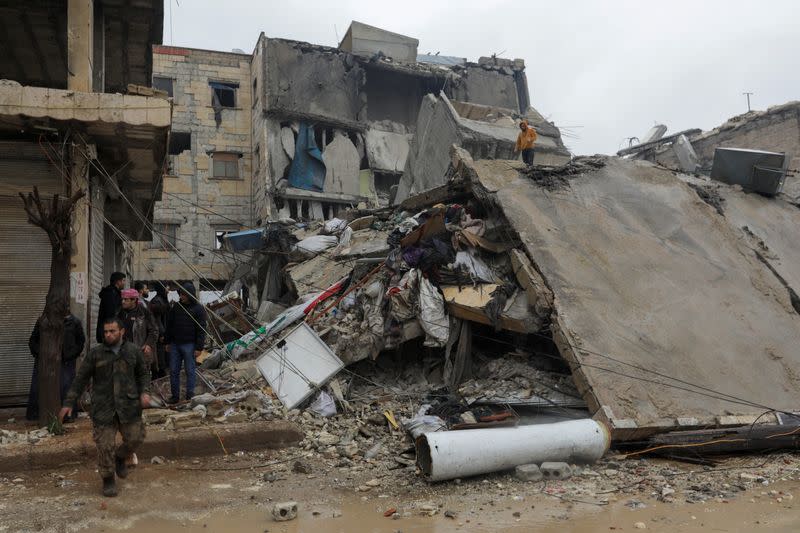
(644, 272)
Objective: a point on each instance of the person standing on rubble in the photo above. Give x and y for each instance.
(185, 339)
(110, 302)
(119, 379)
(140, 327)
(525, 140)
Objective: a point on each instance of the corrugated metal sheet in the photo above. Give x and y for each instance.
(23, 165)
(24, 261)
(24, 280)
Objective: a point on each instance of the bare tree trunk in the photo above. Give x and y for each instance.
(56, 221)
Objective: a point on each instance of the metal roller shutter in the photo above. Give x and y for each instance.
(24, 262)
(24, 280)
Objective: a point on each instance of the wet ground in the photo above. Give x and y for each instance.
(237, 494)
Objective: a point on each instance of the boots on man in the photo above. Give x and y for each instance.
(109, 486)
(122, 468)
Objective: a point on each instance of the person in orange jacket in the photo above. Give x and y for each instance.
(525, 139)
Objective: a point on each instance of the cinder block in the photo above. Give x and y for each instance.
(554, 470)
(529, 472)
(284, 511)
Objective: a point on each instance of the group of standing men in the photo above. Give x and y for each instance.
(136, 338)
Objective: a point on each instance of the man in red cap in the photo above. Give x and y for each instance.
(140, 326)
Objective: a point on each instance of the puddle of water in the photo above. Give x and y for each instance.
(741, 515)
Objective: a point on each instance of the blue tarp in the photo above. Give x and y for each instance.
(308, 169)
(250, 239)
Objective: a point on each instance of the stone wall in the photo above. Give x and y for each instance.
(193, 198)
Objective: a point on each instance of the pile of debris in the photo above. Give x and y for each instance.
(507, 306)
(384, 325)
(23, 437)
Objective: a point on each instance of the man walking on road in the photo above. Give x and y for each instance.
(185, 337)
(119, 379)
(525, 140)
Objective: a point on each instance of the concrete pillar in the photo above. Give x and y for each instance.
(99, 53)
(80, 45)
(80, 289)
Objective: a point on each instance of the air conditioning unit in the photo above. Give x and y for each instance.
(755, 170)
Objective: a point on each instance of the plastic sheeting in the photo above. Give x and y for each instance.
(432, 315)
(477, 267)
(311, 246)
(308, 169)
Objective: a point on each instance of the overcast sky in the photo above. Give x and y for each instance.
(601, 70)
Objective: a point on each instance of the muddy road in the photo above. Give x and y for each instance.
(236, 493)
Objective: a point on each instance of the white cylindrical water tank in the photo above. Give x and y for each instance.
(445, 455)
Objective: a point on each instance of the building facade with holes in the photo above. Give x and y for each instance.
(75, 114)
(207, 184)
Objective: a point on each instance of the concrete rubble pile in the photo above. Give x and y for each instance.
(426, 308)
(471, 314)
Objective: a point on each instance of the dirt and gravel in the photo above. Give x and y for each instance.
(237, 492)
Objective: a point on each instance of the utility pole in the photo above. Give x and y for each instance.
(748, 100)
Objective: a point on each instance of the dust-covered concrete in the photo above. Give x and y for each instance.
(650, 282)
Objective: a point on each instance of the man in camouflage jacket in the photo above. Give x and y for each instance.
(119, 379)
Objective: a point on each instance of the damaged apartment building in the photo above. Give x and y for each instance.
(303, 131)
(364, 122)
(207, 180)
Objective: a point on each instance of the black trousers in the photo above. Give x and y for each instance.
(527, 156)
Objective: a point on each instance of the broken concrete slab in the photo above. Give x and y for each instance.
(769, 224)
(342, 166)
(287, 142)
(469, 302)
(387, 151)
(645, 280)
(492, 135)
(363, 39)
(302, 91)
(317, 274)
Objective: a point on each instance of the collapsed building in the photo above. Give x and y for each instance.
(335, 126)
(308, 131)
(621, 286)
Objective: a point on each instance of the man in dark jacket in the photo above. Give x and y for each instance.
(74, 341)
(140, 326)
(110, 302)
(186, 337)
(159, 306)
(119, 392)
